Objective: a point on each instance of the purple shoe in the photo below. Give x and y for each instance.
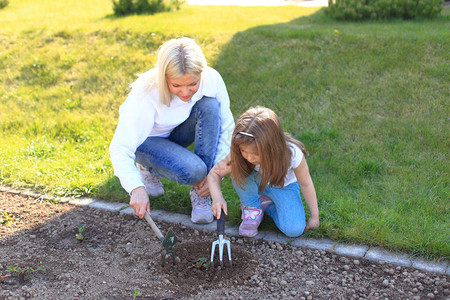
(251, 218)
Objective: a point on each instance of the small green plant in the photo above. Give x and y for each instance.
(79, 236)
(135, 293)
(6, 219)
(202, 263)
(23, 273)
(3, 3)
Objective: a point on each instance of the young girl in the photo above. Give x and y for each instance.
(267, 169)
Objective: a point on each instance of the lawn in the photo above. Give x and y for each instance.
(369, 100)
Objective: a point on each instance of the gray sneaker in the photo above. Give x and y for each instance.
(152, 182)
(201, 208)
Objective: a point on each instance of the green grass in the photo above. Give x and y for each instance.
(369, 100)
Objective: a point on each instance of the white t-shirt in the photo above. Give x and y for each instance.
(142, 116)
(296, 159)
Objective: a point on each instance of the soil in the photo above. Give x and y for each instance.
(119, 257)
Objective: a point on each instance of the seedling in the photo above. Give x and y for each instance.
(23, 273)
(135, 293)
(6, 219)
(202, 263)
(79, 235)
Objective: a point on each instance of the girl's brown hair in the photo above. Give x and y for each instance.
(260, 126)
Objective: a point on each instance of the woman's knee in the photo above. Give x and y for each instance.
(190, 171)
(210, 106)
(192, 175)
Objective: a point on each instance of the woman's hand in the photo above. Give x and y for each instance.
(202, 188)
(139, 201)
(313, 223)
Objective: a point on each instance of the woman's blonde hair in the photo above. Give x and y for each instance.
(176, 58)
(260, 126)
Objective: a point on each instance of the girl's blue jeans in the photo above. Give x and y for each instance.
(169, 157)
(287, 209)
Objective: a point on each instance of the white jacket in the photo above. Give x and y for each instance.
(142, 116)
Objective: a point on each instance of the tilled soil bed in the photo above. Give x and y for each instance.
(119, 257)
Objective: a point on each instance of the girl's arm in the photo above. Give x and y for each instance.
(307, 187)
(214, 178)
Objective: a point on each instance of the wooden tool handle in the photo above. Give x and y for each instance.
(153, 225)
(221, 223)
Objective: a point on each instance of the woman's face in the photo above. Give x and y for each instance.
(184, 87)
(250, 153)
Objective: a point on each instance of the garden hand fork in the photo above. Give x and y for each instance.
(221, 241)
(168, 241)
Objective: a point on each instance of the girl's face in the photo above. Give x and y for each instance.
(250, 153)
(184, 87)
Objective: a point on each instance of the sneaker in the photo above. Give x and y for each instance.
(152, 182)
(251, 218)
(201, 208)
(265, 201)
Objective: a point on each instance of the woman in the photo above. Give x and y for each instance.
(179, 102)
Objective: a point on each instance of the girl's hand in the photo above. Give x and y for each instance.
(217, 207)
(313, 223)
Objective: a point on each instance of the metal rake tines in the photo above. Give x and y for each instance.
(221, 242)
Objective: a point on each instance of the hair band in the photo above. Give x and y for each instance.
(247, 134)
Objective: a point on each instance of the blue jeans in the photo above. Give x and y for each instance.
(287, 209)
(169, 158)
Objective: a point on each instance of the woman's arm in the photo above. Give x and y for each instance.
(135, 123)
(214, 178)
(308, 191)
(226, 117)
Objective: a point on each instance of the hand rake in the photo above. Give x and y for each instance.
(221, 241)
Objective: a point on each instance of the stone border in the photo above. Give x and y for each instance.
(356, 251)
